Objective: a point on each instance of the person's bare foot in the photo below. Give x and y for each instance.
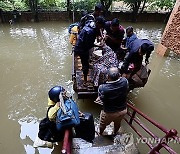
(85, 84)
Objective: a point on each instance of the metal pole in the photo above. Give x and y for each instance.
(66, 142)
(73, 11)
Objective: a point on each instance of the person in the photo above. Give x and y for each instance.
(91, 16)
(101, 66)
(115, 34)
(130, 36)
(86, 41)
(137, 49)
(54, 101)
(113, 95)
(47, 127)
(73, 31)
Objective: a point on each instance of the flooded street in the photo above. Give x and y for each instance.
(36, 56)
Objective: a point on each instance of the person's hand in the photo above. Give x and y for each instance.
(124, 75)
(106, 37)
(58, 104)
(147, 61)
(81, 114)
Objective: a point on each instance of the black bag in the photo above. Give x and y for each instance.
(86, 128)
(48, 131)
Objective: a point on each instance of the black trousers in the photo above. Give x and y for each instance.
(85, 63)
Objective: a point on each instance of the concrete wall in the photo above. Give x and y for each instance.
(43, 16)
(57, 16)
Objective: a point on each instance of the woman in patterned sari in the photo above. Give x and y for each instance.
(101, 66)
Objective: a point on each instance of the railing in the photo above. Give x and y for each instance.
(66, 147)
(170, 135)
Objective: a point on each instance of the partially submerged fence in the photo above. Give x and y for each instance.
(162, 143)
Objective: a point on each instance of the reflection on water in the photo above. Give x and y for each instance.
(36, 56)
(29, 127)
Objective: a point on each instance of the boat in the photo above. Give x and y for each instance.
(84, 92)
(77, 78)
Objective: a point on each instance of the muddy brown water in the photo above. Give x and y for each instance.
(36, 56)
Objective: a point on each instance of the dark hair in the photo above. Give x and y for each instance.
(113, 73)
(100, 20)
(83, 13)
(144, 47)
(98, 7)
(150, 48)
(129, 28)
(115, 22)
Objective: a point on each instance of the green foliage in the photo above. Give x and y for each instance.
(88, 5)
(133, 3)
(107, 3)
(47, 3)
(165, 5)
(10, 5)
(84, 5)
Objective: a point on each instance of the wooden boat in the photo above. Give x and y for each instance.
(91, 91)
(77, 77)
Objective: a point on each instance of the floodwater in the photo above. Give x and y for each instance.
(36, 56)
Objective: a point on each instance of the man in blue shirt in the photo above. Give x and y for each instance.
(113, 95)
(137, 49)
(131, 36)
(85, 42)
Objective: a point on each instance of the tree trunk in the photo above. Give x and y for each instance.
(2, 16)
(68, 8)
(135, 11)
(142, 9)
(34, 9)
(106, 4)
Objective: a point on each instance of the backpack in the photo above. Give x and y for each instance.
(85, 19)
(71, 26)
(68, 118)
(48, 131)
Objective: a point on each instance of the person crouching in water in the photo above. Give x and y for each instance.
(113, 95)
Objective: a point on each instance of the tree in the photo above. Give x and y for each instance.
(34, 9)
(135, 5)
(165, 5)
(106, 5)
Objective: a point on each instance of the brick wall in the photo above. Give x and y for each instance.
(171, 36)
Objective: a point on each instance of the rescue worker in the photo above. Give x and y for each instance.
(130, 36)
(115, 34)
(113, 95)
(137, 49)
(91, 16)
(86, 41)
